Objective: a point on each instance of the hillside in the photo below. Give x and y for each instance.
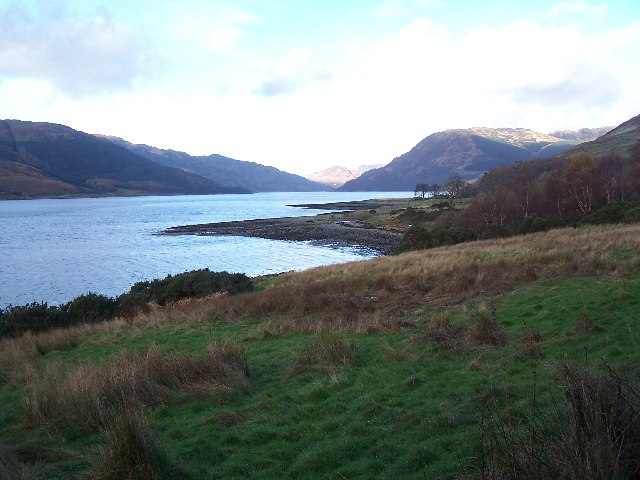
(337, 176)
(429, 364)
(465, 152)
(227, 171)
(622, 141)
(46, 160)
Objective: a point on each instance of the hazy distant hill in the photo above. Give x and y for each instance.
(582, 135)
(45, 159)
(227, 171)
(465, 152)
(338, 176)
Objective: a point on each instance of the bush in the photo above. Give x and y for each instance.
(198, 283)
(533, 223)
(615, 212)
(90, 307)
(93, 307)
(33, 316)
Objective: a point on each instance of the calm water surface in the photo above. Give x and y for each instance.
(54, 250)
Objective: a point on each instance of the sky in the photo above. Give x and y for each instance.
(308, 84)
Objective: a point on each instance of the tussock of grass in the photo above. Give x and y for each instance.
(131, 451)
(585, 325)
(396, 354)
(87, 395)
(484, 330)
(479, 331)
(10, 467)
(594, 433)
(323, 355)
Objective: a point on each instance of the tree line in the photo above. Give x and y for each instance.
(533, 196)
(567, 193)
(455, 187)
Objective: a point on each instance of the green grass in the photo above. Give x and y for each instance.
(402, 410)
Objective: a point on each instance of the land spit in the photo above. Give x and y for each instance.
(333, 228)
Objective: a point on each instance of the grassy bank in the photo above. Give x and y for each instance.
(396, 367)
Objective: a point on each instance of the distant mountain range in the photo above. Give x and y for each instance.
(227, 171)
(49, 160)
(338, 176)
(466, 152)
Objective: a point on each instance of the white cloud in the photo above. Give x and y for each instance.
(293, 72)
(304, 110)
(78, 55)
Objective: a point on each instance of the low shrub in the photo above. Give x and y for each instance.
(92, 307)
(614, 212)
(194, 284)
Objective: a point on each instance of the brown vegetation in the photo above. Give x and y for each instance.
(595, 434)
(380, 295)
(323, 355)
(88, 395)
(383, 294)
(132, 452)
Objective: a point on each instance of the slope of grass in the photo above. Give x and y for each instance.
(370, 370)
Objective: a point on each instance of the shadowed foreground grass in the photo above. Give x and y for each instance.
(379, 369)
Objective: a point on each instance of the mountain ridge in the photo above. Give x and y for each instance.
(226, 170)
(41, 159)
(468, 153)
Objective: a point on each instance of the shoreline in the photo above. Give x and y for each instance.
(326, 228)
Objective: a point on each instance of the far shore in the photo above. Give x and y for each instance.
(333, 228)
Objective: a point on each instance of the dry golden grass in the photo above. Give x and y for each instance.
(323, 355)
(379, 295)
(595, 434)
(16, 354)
(132, 452)
(88, 395)
(382, 294)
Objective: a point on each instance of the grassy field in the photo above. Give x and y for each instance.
(397, 367)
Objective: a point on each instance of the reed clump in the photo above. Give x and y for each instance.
(325, 354)
(594, 432)
(132, 451)
(88, 395)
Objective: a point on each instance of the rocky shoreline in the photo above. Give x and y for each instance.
(326, 228)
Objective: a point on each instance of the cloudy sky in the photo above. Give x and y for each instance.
(303, 85)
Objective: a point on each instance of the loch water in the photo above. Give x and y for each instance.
(52, 250)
